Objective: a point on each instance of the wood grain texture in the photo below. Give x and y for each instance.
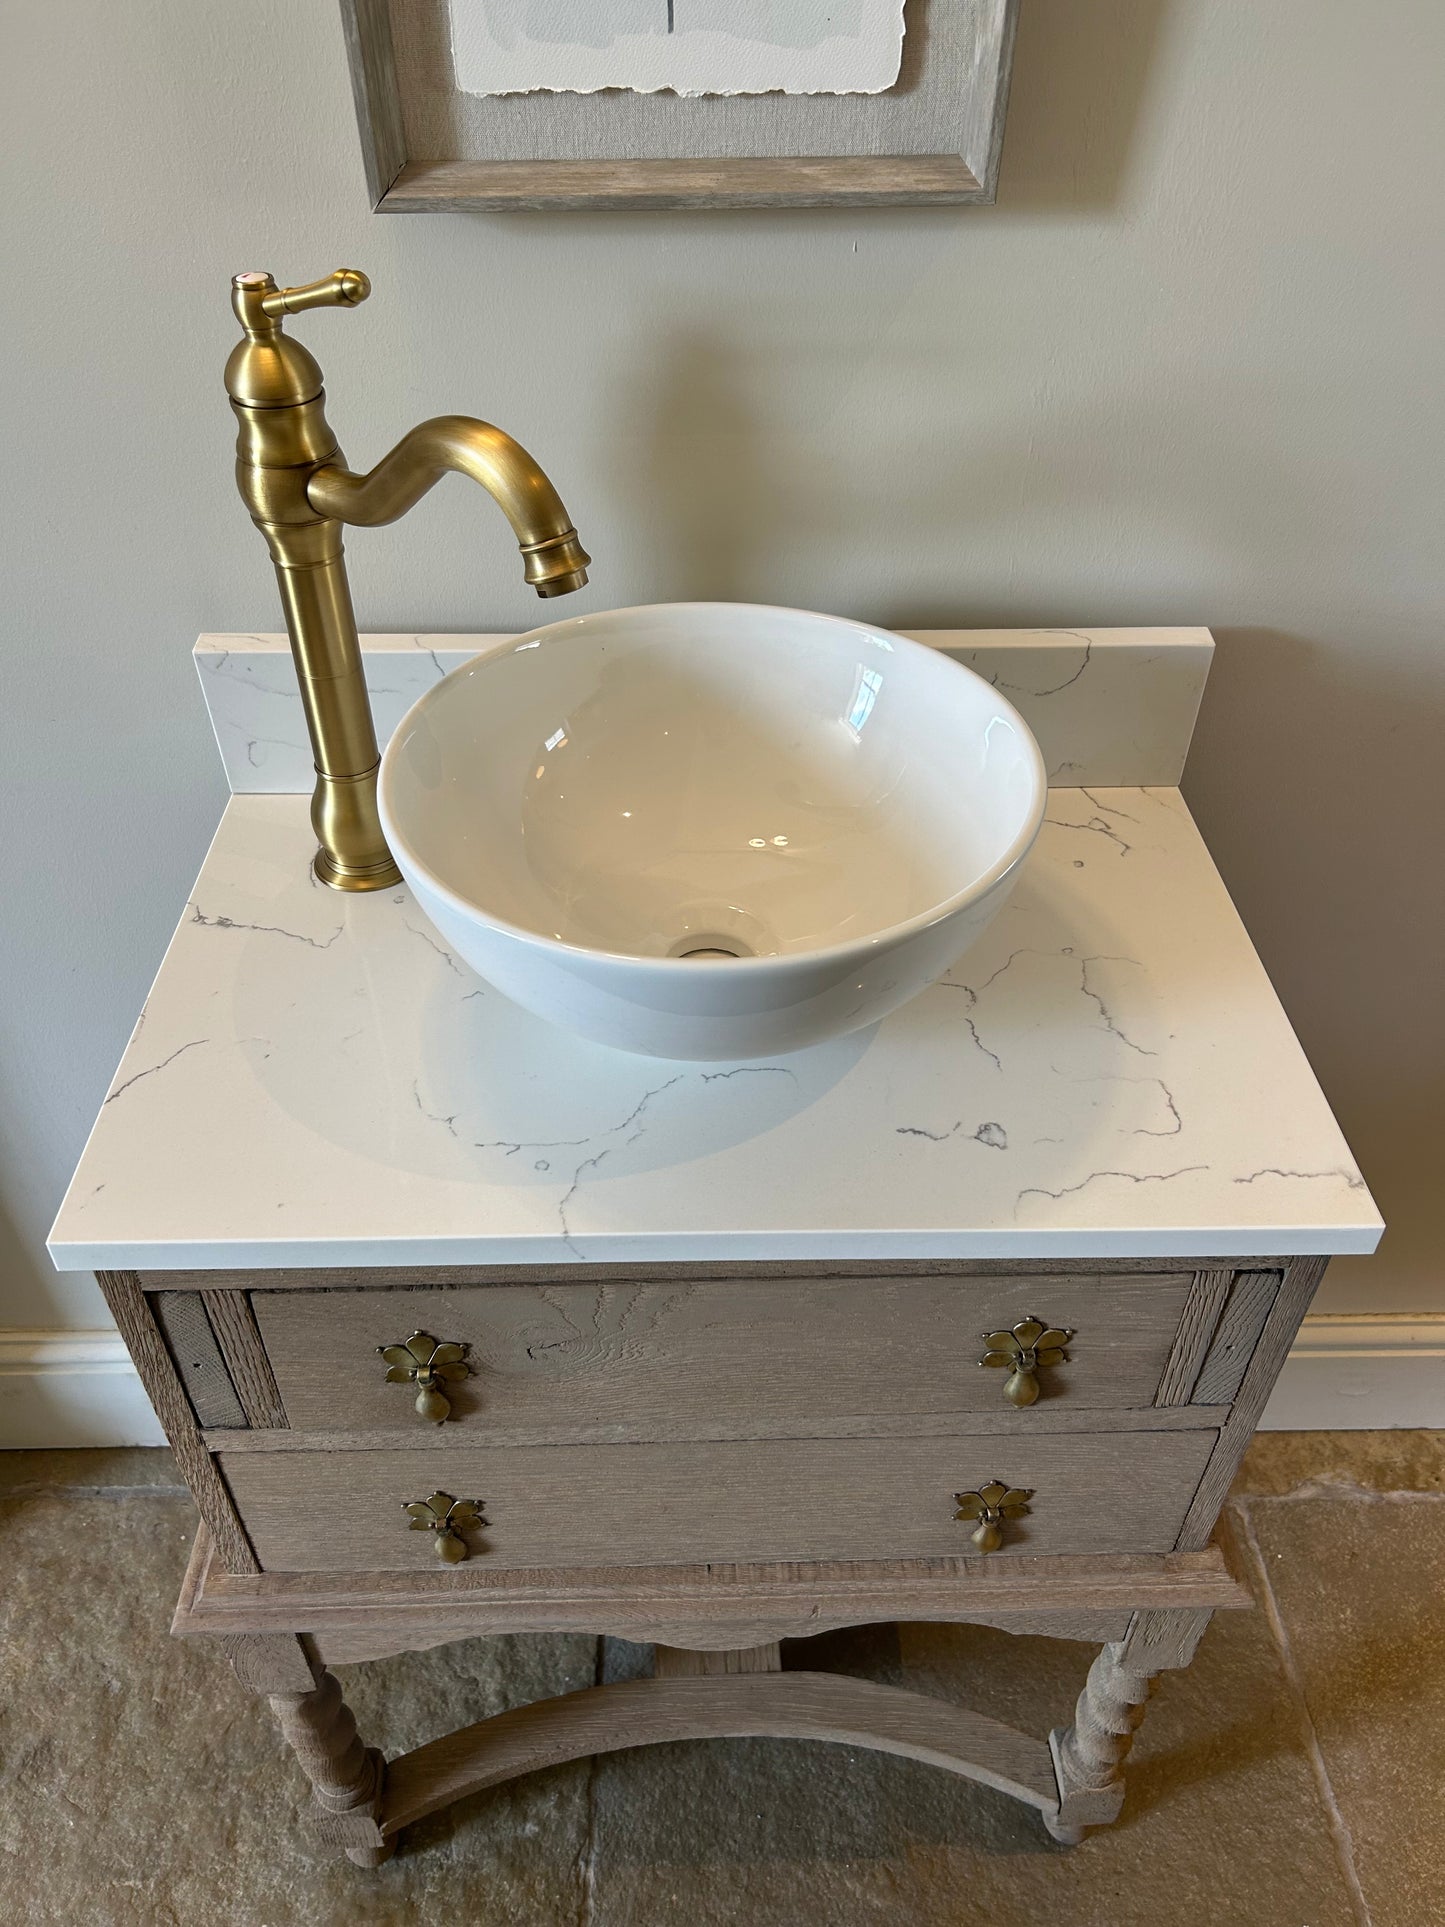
(1291, 1301)
(232, 1322)
(274, 1662)
(132, 1314)
(984, 105)
(1192, 1339)
(535, 187)
(781, 1271)
(1165, 1641)
(366, 27)
(198, 1566)
(811, 1499)
(346, 1646)
(702, 1607)
(732, 1352)
(647, 1712)
(1005, 1423)
(1235, 1336)
(687, 1662)
(196, 1354)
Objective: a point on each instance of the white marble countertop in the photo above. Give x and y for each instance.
(315, 1080)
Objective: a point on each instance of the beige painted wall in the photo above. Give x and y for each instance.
(1189, 370)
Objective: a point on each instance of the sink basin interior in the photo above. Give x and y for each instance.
(711, 782)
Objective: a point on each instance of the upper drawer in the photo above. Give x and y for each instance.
(725, 1354)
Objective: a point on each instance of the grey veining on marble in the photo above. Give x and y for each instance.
(316, 1079)
(1108, 706)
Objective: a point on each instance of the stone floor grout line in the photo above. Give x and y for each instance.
(10, 1492)
(1334, 1818)
(1329, 1488)
(587, 1913)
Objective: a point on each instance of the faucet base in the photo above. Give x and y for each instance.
(338, 876)
(352, 853)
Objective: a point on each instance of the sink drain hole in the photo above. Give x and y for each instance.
(710, 946)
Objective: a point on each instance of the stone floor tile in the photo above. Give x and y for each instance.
(1280, 1462)
(1360, 1586)
(120, 1468)
(141, 1786)
(1222, 1827)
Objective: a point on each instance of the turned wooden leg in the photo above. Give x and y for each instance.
(346, 1777)
(1089, 1756)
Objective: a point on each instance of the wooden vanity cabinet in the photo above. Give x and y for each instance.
(710, 1459)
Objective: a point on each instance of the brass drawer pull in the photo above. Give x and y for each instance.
(448, 1518)
(990, 1506)
(424, 1362)
(1023, 1350)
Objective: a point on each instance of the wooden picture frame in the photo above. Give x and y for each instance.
(615, 150)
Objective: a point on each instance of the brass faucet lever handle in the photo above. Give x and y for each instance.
(347, 288)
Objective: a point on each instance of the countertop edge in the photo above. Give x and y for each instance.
(745, 1248)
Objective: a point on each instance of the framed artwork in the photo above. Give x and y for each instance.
(576, 104)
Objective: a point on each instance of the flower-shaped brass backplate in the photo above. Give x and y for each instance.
(990, 1506)
(1030, 1344)
(425, 1362)
(448, 1518)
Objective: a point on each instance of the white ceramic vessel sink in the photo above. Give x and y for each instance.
(707, 830)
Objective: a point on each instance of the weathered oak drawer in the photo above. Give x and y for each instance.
(755, 1353)
(796, 1499)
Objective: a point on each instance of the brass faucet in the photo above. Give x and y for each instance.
(293, 480)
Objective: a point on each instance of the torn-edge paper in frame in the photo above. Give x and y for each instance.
(682, 46)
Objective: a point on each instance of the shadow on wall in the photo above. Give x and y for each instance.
(705, 483)
(1314, 777)
(730, 463)
(17, 1264)
(1079, 74)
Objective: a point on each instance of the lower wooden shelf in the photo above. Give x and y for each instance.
(282, 1630)
(368, 1615)
(717, 1667)
(645, 1712)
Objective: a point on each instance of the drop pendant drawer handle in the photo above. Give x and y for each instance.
(990, 1506)
(1023, 1350)
(447, 1518)
(425, 1362)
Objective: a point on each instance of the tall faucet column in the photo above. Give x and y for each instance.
(276, 393)
(316, 598)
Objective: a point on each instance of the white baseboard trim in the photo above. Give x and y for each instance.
(1346, 1373)
(1350, 1372)
(71, 1388)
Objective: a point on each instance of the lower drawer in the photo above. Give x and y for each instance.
(648, 1504)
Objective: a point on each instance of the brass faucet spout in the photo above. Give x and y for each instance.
(554, 558)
